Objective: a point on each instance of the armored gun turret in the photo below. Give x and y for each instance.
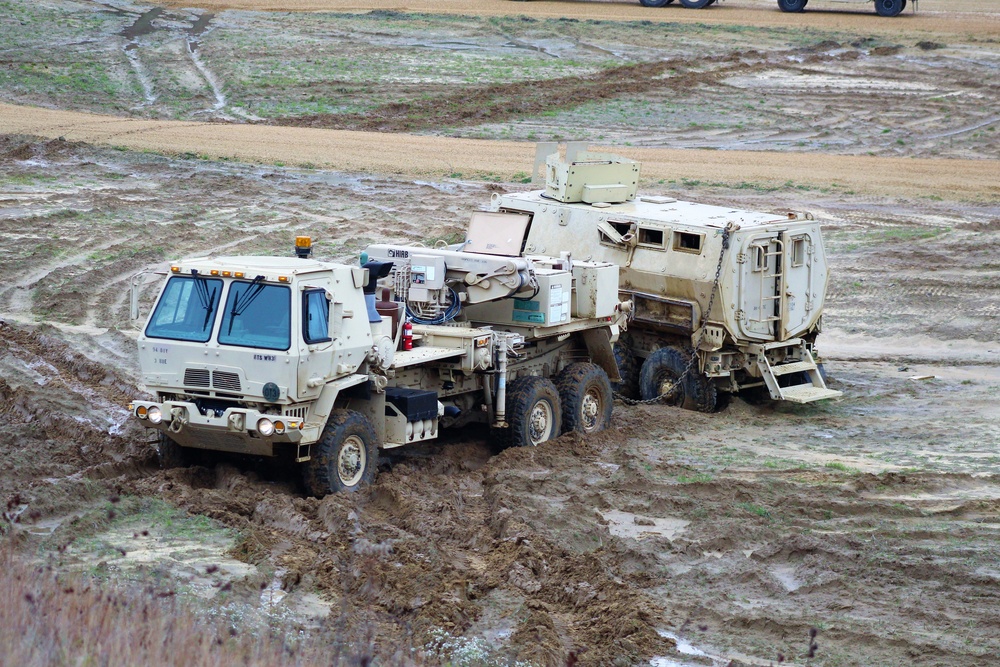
(725, 300)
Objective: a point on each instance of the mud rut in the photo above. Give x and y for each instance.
(873, 520)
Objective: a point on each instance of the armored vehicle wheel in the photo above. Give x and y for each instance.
(346, 456)
(172, 455)
(533, 412)
(696, 4)
(792, 5)
(888, 7)
(628, 369)
(660, 376)
(654, 3)
(585, 393)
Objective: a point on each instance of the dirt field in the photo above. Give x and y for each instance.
(674, 539)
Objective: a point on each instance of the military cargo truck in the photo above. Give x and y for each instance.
(882, 7)
(293, 357)
(724, 300)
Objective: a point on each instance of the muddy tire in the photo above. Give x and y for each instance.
(628, 369)
(696, 4)
(888, 7)
(585, 395)
(534, 413)
(792, 5)
(171, 455)
(663, 368)
(654, 3)
(345, 458)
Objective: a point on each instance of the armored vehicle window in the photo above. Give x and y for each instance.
(759, 258)
(687, 242)
(186, 310)
(623, 229)
(651, 237)
(798, 251)
(315, 316)
(257, 315)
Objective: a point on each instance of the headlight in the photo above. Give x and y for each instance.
(279, 427)
(154, 415)
(140, 412)
(265, 427)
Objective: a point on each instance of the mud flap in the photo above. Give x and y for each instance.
(601, 351)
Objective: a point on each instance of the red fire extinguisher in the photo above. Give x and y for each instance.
(407, 335)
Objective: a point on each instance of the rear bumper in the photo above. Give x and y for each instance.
(235, 430)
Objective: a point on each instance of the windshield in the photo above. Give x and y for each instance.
(186, 310)
(257, 315)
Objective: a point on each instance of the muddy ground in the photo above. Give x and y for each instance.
(678, 538)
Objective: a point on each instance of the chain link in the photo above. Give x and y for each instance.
(693, 361)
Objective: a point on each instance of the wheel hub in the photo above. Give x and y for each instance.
(539, 422)
(351, 461)
(589, 410)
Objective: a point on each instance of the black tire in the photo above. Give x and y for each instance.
(345, 458)
(888, 7)
(534, 413)
(792, 5)
(171, 455)
(666, 365)
(654, 3)
(628, 369)
(696, 4)
(585, 395)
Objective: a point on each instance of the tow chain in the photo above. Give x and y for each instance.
(701, 335)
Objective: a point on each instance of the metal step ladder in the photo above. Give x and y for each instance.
(814, 390)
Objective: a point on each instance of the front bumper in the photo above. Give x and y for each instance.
(235, 430)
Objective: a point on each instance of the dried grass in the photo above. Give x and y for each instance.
(51, 619)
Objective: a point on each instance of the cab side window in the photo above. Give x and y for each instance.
(315, 316)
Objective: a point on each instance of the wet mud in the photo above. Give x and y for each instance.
(676, 537)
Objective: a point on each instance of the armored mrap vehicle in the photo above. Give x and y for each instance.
(273, 356)
(724, 300)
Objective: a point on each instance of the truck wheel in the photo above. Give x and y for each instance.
(533, 412)
(346, 456)
(172, 455)
(792, 5)
(585, 394)
(660, 374)
(696, 4)
(628, 369)
(888, 7)
(655, 3)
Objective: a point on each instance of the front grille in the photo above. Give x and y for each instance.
(297, 413)
(226, 381)
(196, 377)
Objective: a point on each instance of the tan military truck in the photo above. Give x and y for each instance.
(882, 7)
(326, 363)
(724, 300)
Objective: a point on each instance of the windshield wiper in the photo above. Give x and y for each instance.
(243, 302)
(207, 298)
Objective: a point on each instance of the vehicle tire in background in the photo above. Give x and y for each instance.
(345, 458)
(664, 368)
(655, 3)
(792, 5)
(585, 394)
(889, 7)
(696, 4)
(171, 455)
(534, 413)
(628, 369)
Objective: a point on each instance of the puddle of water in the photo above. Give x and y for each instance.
(143, 25)
(685, 647)
(626, 524)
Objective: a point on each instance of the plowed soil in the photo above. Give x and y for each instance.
(862, 531)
